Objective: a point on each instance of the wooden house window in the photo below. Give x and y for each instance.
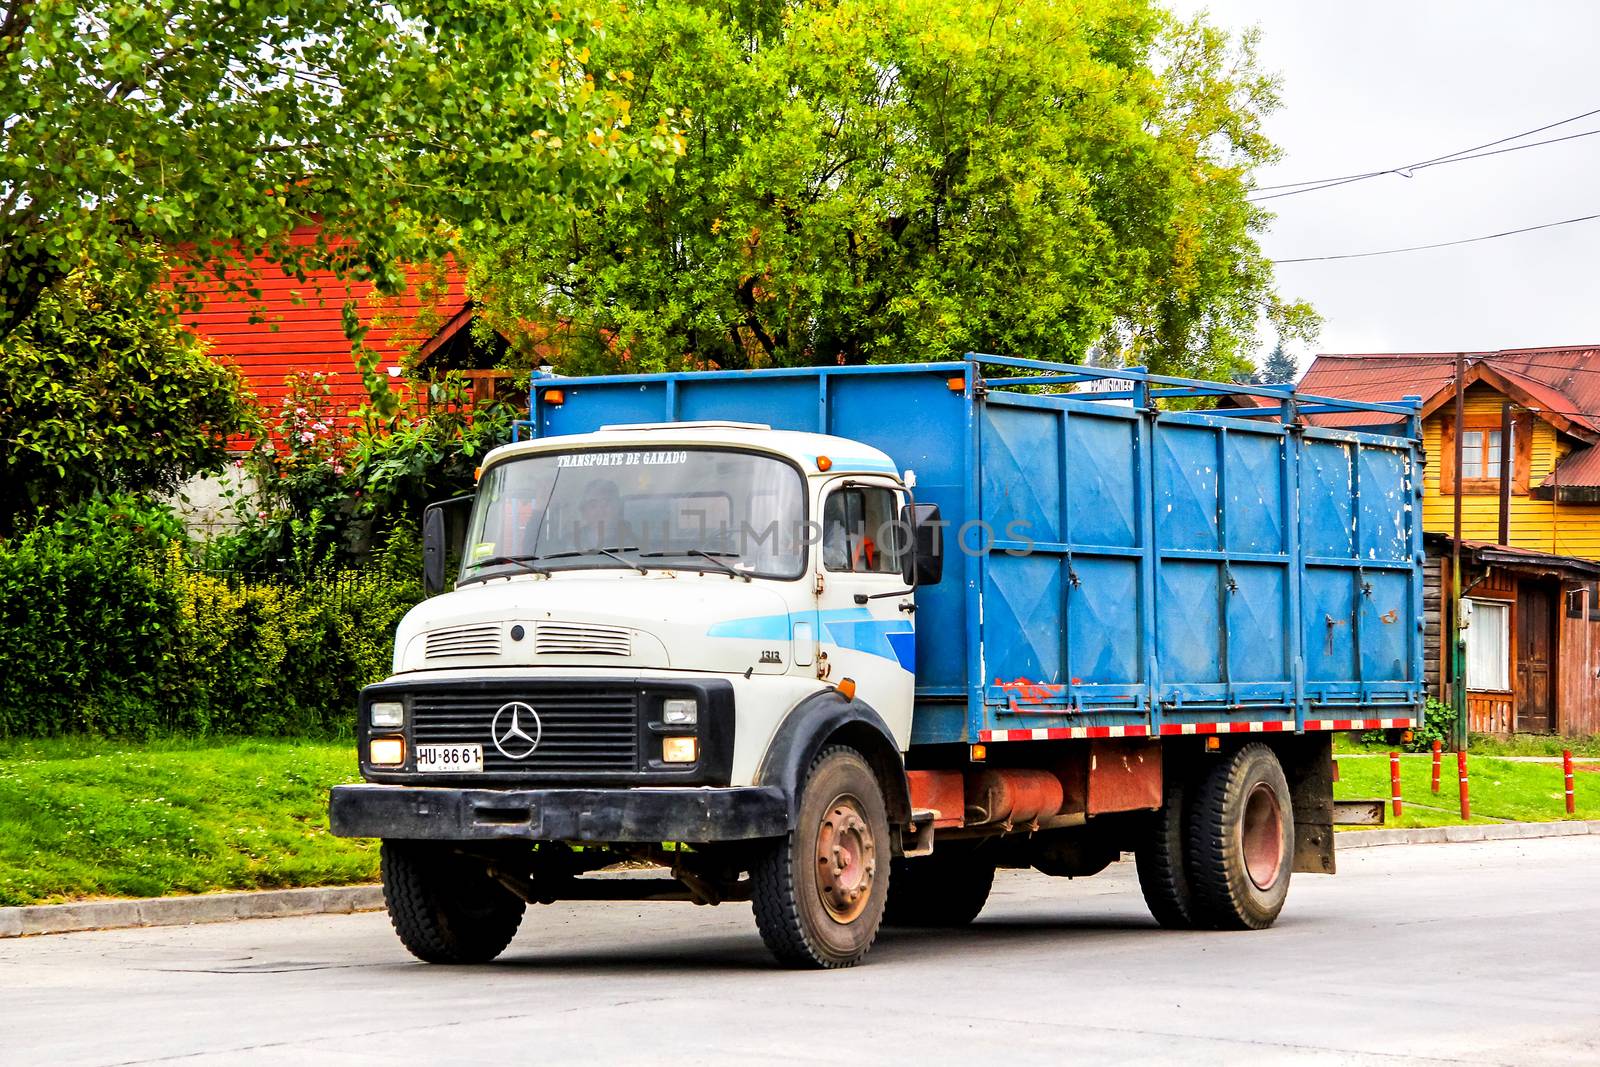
(1585, 597)
(1480, 454)
(1489, 646)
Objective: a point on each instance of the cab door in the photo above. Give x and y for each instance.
(865, 625)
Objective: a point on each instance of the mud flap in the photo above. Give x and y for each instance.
(1308, 765)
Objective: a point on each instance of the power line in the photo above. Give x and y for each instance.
(1440, 244)
(1329, 183)
(1409, 171)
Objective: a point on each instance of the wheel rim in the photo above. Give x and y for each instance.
(847, 860)
(1262, 835)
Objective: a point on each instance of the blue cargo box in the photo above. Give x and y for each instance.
(1113, 569)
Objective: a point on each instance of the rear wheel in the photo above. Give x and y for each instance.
(948, 888)
(1159, 858)
(819, 893)
(1241, 841)
(445, 906)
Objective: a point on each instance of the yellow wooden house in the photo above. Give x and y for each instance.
(1533, 641)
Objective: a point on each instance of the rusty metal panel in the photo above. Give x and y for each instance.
(940, 791)
(1359, 812)
(1124, 775)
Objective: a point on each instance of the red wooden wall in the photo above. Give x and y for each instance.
(298, 327)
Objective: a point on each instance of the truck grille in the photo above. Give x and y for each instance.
(481, 640)
(568, 639)
(581, 731)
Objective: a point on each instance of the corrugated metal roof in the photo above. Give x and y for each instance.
(1562, 383)
(1506, 555)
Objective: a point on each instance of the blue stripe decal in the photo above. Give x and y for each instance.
(850, 628)
(860, 463)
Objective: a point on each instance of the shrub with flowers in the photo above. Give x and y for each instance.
(329, 485)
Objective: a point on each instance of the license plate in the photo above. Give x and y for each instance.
(450, 759)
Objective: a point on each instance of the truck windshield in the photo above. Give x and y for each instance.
(663, 508)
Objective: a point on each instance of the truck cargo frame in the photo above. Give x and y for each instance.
(1286, 555)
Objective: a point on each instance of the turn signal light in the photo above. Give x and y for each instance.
(978, 753)
(1408, 736)
(679, 750)
(386, 752)
(824, 463)
(847, 688)
(555, 397)
(956, 385)
(1213, 743)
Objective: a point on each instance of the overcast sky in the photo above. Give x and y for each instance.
(1370, 85)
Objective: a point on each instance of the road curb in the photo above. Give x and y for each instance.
(1440, 835)
(181, 911)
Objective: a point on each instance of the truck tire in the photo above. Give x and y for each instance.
(944, 889)
(1159, 858)
(1241, 841)
(444, 906)
(819, 892)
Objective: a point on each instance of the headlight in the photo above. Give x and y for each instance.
(680, 712)
(388, 714)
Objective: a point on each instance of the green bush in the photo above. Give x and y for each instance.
(111, 628)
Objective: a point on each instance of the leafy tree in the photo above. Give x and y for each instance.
(403, 128)
(869, 180)
(1280, 367)
(102, 391)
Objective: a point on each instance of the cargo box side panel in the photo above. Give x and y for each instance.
(1361, 621)
(1226, 574)
(1064, 599)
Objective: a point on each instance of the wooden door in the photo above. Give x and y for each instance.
(1536, 656)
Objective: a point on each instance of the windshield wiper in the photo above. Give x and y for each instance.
(703, 554)
(525, 562)
(612, 552)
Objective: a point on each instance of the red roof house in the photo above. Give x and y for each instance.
(297, 326)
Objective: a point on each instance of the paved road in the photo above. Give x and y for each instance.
(1484, 953)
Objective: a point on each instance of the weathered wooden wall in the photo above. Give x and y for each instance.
(1435, 580)
(1578, 671)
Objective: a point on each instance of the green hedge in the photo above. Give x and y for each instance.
(108, 626)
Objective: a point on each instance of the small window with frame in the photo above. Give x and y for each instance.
(1584, 599)
(860, 531)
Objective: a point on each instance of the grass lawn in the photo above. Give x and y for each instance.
(1500, 789)
(84, 818)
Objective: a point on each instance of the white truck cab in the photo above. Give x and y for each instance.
(765, 559)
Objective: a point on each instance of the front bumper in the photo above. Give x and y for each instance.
(610, 816)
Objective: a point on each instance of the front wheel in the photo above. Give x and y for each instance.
(445, 906)
(819, 893)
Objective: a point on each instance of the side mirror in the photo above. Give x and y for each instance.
(443, 528)
(923, 562)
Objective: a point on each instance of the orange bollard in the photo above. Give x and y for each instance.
(1437, 747)
(1566, 767)
(1394, 781)
(1461, 769)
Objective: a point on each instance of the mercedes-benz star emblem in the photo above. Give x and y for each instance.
(509, 730)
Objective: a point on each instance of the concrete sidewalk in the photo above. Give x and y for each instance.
(276, 903)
